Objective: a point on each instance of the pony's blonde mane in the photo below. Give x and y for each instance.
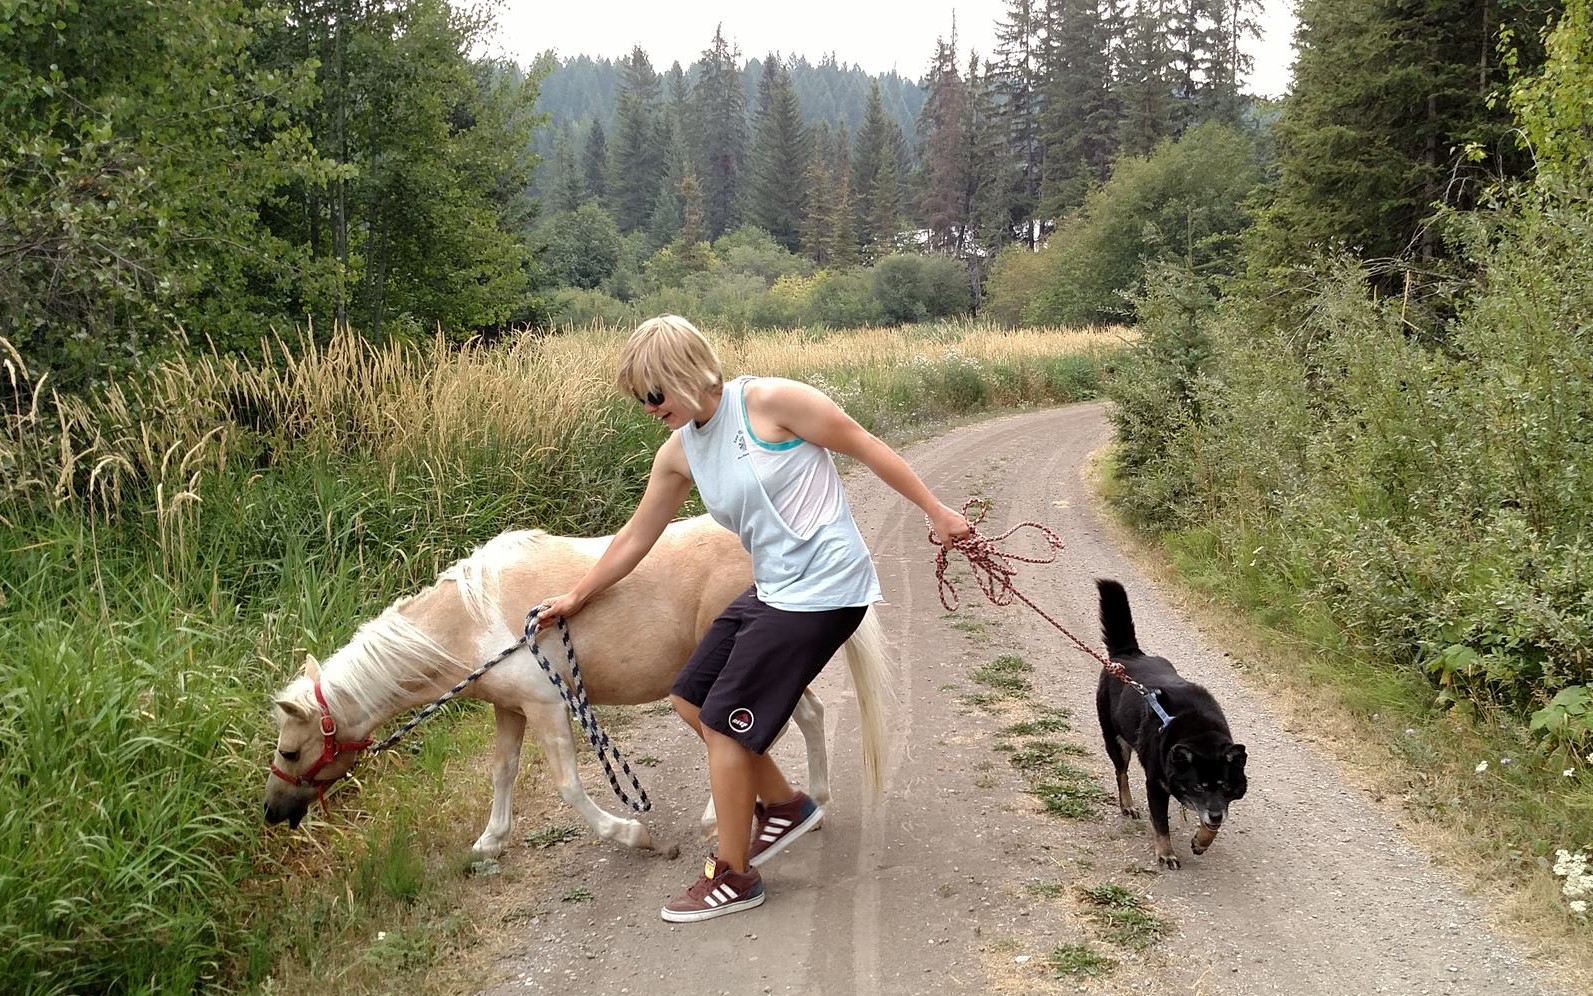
(478, 575)
(379, 668)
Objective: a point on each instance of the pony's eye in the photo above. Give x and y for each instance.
(289, 755)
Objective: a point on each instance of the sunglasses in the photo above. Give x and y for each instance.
(655, 397)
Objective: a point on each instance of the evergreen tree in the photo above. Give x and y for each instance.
(943, 137)
(1079, 123)
(594, 162)
(884, 222)
(720, 134)
(876, 155)
(565, 192)
(990, 168)
(1019, 92)
(827, 231)
(1385, 101)
(667, 217)
(776, 190)
(636, 158)
(1144, 86)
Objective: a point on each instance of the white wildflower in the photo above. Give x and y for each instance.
(1568, 772)
(1578, 879)
(1482, 766)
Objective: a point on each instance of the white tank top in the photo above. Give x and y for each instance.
(786, 503)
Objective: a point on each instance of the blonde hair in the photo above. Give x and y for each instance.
(668, 354)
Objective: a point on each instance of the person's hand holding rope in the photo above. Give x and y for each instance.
(993, 572)
(991, 566)
(947, 526)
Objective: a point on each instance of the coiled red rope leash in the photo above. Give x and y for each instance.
(993, 571)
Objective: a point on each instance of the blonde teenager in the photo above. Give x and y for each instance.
(758, 450)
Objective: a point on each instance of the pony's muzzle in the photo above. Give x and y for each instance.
(290, 810)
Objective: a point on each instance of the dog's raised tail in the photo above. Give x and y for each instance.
(1117, 622)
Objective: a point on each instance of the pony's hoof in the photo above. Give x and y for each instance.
(487, 848)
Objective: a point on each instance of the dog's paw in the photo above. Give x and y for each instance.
(1202, 839)
(1168, 861)
(1130, 812)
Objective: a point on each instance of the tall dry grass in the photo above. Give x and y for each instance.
(157, 435)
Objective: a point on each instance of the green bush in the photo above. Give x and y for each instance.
(1435, 505)
(1017, 278)
(844, 299)
(1183, 203)
(573, 307)
(581, 248)
(913, 288)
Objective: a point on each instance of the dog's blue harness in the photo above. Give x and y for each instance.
(1154, 703)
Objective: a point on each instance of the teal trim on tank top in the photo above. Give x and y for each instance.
(746, 422)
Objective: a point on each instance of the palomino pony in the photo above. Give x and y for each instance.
(630, 642)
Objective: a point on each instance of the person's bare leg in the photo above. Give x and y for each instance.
(768, 781)
(732, 770)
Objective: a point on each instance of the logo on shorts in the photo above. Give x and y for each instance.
(741, 720)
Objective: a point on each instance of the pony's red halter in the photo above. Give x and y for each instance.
(330, 749)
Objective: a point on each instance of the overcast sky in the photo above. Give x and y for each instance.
(878, 35)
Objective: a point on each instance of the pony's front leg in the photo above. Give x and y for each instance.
(551, 724)
(505, 766)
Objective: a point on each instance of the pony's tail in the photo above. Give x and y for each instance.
(876, 694)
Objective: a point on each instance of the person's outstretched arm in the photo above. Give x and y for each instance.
(806, 411)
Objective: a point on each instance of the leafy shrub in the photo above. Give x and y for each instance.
(1184, 202)
(1017, 277)
(844, 299)
(574, 307)
(581, 247)
(749, 249)
(913, 288)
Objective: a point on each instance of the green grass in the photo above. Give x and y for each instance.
(1078, 961)
(1074, 799)
(1064, 791)
(1006, 675)
(1032, 727)
(1123, 916)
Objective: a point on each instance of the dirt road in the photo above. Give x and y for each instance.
(958, 881)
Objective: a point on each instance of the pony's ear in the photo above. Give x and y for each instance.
(312, 667)
(294, 709)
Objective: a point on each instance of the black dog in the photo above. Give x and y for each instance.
(1189, 756)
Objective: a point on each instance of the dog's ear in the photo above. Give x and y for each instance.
(1235, 756)
(1180, 757)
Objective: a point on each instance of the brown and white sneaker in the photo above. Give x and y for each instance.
(720, 891)
(780, 824)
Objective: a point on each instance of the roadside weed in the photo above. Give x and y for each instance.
(1123, 915)
(1081, 960)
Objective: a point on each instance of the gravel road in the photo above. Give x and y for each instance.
(957, 881)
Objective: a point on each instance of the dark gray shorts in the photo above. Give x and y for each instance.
(752, 665)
